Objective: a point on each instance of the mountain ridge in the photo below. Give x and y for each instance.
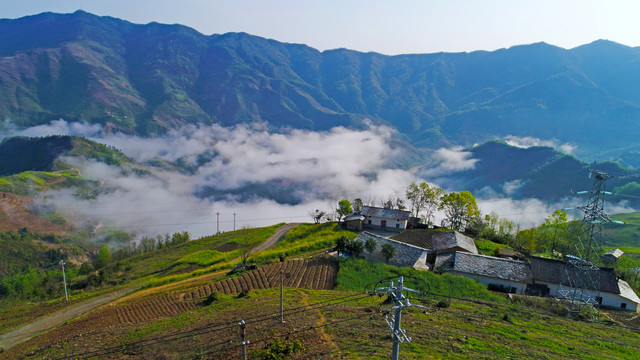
(146, 79)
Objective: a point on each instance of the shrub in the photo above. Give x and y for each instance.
(278, 349)
(506, 317)
(243, 293)
(211, 298)
(443, 303)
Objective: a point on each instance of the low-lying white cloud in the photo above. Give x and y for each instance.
(308, 166)
(312, 170)
(448, 161)
(529, 141)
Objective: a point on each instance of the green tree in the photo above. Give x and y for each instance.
(344, 208)
(355, 247)
(387, 251)
(525, 241)
(460, 209)
(102, 259)
(341, 244)
(554, 229)
(423, 196)
(415, 197)
(370, 245)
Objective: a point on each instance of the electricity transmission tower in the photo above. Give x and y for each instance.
(400, 302)
(580, 282)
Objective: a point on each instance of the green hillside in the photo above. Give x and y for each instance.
(145, 79)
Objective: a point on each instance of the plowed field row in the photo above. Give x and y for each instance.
(166, 306)
(318, 274)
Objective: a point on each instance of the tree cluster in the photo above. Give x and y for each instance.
(344, 244)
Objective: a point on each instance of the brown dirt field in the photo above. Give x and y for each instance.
(228, 247)
(16, 215)
(317, 274)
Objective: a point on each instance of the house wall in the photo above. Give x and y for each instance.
(391, 223)
(520, 287)
(406, 254)
(354, 225)
(608, 299)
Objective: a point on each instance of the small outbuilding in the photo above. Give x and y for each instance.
(612, 255)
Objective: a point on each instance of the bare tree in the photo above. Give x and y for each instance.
(317, 215)
(247, 245)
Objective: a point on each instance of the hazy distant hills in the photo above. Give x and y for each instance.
(538, 172)
(147, 78)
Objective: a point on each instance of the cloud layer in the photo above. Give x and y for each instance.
(255, 177)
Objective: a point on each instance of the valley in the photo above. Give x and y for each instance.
(210, 195)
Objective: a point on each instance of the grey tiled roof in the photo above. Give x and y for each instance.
(483, 265)
(353, 217)
(450, 240)
(385, 213)
(551, 271)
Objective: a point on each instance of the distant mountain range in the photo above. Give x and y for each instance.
(145, 79)
(538, 172)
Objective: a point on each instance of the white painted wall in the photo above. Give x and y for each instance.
(608, 299)
(391, 223)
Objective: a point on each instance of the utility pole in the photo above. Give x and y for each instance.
(242, 325)
(217, 223)
(234, 221)
(64, 279)
(400, 302)
(282, 276)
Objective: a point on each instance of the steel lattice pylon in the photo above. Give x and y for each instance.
(580, 282)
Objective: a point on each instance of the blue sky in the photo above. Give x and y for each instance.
(389, 27)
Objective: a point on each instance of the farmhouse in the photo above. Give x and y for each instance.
(506, 275)
(451, 241)
(547, 279)
(539, 277)
(375, 217)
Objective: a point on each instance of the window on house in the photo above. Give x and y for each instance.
(369, 222)
(599, 299)
(623, 306)
(397, 226)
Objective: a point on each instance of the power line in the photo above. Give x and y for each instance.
(213, 328)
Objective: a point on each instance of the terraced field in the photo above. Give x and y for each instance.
(317, 274)
(166, 306)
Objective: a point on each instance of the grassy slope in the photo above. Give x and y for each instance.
(345, 324)
(626, 237)
(486, 326)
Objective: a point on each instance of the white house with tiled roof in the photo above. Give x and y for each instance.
(375, 217)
